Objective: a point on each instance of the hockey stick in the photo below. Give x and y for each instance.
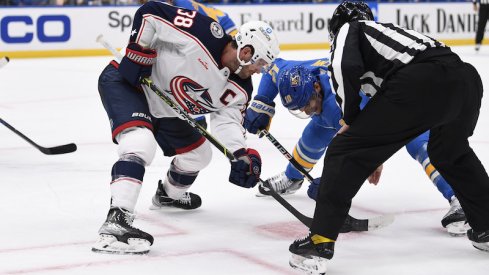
(286, 154)
(351, 223)
(3, 61)
(62, 149)
(185, 116)
(100, 39)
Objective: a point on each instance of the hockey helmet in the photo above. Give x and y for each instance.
(348, 12)
(262, 38)
(296, 86)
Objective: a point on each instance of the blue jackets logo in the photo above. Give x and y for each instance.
(31, 28)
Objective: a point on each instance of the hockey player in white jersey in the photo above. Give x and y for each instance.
(190, 58)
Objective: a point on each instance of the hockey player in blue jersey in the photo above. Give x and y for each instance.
(312, 82)
(203, 70)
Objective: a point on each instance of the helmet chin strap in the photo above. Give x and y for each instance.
(238, 69)
(241, 63)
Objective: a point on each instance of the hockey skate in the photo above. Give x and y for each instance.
(281, 184)
(118, 236)
(454, 221)
(480, 240)
(188, 201)
(309, 257)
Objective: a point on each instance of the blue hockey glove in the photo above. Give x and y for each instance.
(259, 115)
(313, 189)
(245, 172)
(137, 63)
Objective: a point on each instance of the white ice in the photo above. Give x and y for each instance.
(52, 206)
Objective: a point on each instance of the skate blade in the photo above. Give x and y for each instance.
(380, 221)
(167, 208)
(312, 266)
(110, 245)
(170, 208)
(261, 195)
(457, 229)
(157, 206)
(481, 246)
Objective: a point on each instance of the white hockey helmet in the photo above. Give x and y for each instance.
(262, 38)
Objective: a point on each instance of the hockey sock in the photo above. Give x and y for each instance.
(440, 183)
(126, 183)
(178, 182)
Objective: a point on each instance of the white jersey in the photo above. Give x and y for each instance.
(189, 70)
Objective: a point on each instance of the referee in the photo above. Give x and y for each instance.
(483, 16)
(417, 84)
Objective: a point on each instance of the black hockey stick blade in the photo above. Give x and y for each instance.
(57, 150)
(62, 149)
(351, 224)
(358, 225)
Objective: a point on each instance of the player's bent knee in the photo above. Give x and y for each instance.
(137, 142)
(196, 159)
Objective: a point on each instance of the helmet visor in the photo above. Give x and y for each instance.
(300, 114)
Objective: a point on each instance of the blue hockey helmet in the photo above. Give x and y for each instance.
(296, 85)
(348, 12)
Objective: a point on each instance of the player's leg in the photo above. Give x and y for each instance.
(454, 220)
(481, 25)
(192, 154)
(307, 152)
(131, 123)
(450, 152)
(349, 160)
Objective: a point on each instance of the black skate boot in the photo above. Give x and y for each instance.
(188, 201)
(281, 184)
(118, 236)
(480, 240)
(309, 257)
(454, 220)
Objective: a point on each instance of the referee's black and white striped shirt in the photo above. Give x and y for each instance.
(364, 53)
(482, 2)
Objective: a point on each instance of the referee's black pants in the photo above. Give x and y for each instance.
(442, 96)
(481, 25)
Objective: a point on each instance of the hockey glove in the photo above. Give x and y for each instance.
(245, 171)
(259, 115)
(313, 189)
(137, 63)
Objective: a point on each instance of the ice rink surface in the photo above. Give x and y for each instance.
(51, 207)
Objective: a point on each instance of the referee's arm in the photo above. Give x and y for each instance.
(346, 69)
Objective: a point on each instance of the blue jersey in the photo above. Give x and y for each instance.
(221, 17)
(322, 128)
(331, 114)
